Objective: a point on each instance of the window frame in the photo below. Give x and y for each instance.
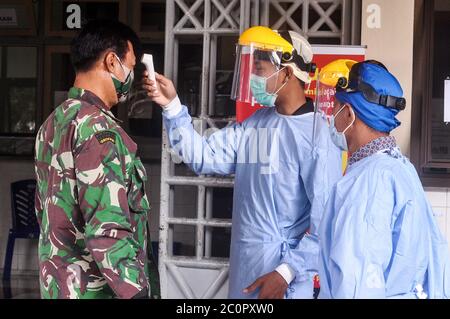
(136, 23)
(70, 34)
(48, 107)
(421, 154)
(31, 31)
(11, 42)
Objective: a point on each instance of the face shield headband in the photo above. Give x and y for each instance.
(356, 84)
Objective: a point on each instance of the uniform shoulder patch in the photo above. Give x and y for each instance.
(106, 136)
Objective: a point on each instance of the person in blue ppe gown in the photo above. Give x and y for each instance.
(281, 181)
(378, 236)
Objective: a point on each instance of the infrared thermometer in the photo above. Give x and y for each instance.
(147, 60)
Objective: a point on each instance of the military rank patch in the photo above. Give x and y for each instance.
(106, 136)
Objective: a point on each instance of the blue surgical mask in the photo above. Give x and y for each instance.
(258, 85)
(339, 138)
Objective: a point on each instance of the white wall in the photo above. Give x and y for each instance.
(440, 201)
(392, 44)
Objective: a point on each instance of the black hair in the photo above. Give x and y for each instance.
(98, 36)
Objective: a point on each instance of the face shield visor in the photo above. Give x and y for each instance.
(325, 98)
(256, 75)
(330, 77)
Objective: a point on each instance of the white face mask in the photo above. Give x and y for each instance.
(339, 138)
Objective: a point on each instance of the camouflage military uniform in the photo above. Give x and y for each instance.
(90, 203)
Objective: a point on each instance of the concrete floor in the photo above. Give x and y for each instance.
(20, 287)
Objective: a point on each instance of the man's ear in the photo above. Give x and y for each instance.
(289, 73)
(110, 62)
(350, 112)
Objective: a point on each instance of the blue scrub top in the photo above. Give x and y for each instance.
(282, 184)
(379, 237)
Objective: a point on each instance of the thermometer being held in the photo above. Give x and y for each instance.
(147, 60)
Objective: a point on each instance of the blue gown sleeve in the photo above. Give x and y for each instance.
(215, 154)
(320, 169)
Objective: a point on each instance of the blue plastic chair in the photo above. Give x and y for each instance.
(24, 221)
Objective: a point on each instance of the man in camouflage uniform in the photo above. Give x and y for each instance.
(90, 200)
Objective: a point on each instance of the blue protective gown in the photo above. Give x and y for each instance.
(278, 196)
(378, 236)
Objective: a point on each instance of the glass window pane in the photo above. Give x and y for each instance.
(22, 102)
(4, 112)
(222, 203)
(16, 146)
(185, 201)
(183, 240)
(153, 17)
(63, 76)
(440, 131)
(18, 14)
(190, 72)
(223, 104)
(18, 110)
(145, 116)
(314, 16)
(21, 62)
(219, 246)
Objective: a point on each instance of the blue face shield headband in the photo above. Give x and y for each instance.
(356, 84)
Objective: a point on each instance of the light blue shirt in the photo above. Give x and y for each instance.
(378, 236)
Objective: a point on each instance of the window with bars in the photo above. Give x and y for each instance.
(18, 99)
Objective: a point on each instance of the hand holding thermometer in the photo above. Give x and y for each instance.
(147, 60)
(161, 91)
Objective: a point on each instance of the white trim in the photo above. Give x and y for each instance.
(447, 100)
(339, 50)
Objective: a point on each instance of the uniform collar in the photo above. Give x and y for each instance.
(92, 99)
(308, 107)
(373, 147)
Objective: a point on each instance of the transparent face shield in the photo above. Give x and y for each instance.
(324, 104)
(256, 72)
(325, 100)
(332, 76)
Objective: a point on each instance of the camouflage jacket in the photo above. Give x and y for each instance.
(90, 203)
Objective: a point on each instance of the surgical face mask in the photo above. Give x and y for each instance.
(123, 88)
(338, 138)
(258, 85)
